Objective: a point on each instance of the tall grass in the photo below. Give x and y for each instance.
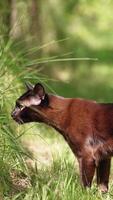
(12, 153)
(57, 181)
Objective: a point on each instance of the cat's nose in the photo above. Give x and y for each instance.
(13, 114)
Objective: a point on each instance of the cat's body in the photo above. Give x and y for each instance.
(86, 125)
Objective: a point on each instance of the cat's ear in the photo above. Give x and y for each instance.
(39, 90)
(29, 86)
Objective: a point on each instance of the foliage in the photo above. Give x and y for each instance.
(40, 50)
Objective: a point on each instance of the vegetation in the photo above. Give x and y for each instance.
(52, 43)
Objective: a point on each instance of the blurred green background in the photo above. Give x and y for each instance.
(66, 45)
(46, 30)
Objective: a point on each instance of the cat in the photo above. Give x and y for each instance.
(86, 125)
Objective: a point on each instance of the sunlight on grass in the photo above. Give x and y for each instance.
(36, 163)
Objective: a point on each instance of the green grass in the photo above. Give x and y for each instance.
(11, 151)
(60, 179)
(43, 165)
(50, 172)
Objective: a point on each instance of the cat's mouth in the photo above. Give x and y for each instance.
(18, 120)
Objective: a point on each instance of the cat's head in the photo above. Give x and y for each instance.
(35, 96)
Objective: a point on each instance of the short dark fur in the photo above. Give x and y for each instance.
(86, 125)
(45, 101)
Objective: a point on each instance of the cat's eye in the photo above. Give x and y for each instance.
(20, 106)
